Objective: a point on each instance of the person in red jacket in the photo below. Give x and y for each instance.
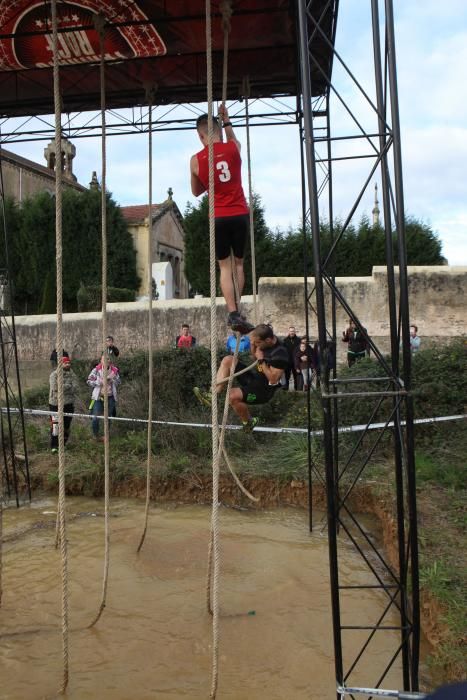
(230, 207)
(185, 340)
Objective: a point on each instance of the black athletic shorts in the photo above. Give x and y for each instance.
(231, 233)
(254, 385)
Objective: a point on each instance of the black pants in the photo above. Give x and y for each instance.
(291, 371)
(353, 357)
(67, 408)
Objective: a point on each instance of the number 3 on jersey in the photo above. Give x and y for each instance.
(224, 174)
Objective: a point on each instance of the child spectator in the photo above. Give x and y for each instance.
(185, 340)
(96, 381)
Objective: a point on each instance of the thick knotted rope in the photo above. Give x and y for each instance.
(150, 358)
(215, 428)
(59, 346)
(246, 92)
(100, 28)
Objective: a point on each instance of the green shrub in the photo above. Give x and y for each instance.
(433, 468)
(37, 397)
(89, 297)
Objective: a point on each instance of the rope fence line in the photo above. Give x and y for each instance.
(381, 693)
(259, 429)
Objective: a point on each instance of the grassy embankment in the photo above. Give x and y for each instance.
(182, 461)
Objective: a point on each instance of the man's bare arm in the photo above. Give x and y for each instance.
(197, 186)
(228, 128)
(272, 374)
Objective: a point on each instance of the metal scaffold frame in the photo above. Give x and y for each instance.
(398, 583)
(13, 432)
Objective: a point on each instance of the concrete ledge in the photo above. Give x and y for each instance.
(437, 298)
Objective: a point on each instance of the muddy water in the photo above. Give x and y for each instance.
(154, 638)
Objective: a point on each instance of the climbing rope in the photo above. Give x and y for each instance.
(1, 526)
(246, 93)
(150, 358)
(226, 11)
(59, 346)
(225, 6)
(99, 23)
(215, 428)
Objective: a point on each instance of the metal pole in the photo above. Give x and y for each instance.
(392, 303)
(404, 307)
(326, 404)
(10, 427)
(307, 324)
(335, 408)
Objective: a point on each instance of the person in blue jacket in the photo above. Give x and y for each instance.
(232, 343)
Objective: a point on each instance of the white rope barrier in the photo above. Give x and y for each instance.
(381, 693)
(259, 429)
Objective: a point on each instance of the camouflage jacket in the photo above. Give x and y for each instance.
(70, 387)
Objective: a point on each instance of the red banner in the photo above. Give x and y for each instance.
(78, 40)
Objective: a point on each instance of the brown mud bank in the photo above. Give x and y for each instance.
(192, 487)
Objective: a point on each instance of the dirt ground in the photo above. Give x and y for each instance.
(191, 487)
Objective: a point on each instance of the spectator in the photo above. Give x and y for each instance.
(70, 391)
(291, 342)
(305, 363)
(53, 356)
(111, 348)
(96, 381)
(358, 345)
(185, 340)
(414, 340)
(232, 343)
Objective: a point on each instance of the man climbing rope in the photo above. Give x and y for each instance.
(230, 207)
(259, 384)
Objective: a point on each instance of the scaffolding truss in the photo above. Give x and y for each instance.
(15, 465)
(373, 138)
(373, 141)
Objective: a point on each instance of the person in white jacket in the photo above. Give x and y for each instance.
(96, 381)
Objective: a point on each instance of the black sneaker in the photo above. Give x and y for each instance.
(203, 397)
(238, 323)
(250, 425)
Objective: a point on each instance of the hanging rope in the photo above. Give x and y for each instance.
(99, 24)
(1, 531)
(215, 428)
(59, 346)
(226, 10)
(225, 6)
(150, 358)
(246, 92)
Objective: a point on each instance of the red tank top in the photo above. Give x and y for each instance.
(229, 199)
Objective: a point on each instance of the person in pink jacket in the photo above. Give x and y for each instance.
(96, 381)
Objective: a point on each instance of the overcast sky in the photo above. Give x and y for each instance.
(431, 46)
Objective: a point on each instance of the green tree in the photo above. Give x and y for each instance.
(196, 224)
(37, 240)
(423, 244)
(83, 245)
(10, 220)
(31, 233)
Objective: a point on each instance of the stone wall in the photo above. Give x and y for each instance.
(437, 302)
